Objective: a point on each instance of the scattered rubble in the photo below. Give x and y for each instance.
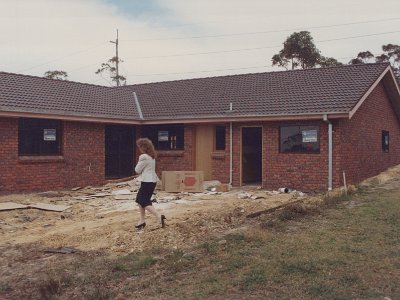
(43, 206)
(103, 217)
(62, 250)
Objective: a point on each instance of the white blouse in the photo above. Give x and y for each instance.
(146, 168)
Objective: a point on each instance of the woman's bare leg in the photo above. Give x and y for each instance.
(152, 210)
(142, 214)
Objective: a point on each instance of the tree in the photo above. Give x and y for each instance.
(362, 58)
(299, 51)
(61, 75)
(391, 54)
(328, 61)
(111, 67)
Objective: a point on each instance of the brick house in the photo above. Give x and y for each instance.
(301, 129)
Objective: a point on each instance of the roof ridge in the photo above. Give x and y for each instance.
(258, 73)
(50, 79)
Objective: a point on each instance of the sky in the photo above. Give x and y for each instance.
(162, 40)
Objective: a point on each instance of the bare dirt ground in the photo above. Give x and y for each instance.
(103, 223)
(96, 222)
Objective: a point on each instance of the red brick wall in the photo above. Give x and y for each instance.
(81, 162)
(84, 152)
(8, 153)
(361, 154)
(220, 160)
(301, 171)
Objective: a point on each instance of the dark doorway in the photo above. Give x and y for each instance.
(119, 141)
(251, 155)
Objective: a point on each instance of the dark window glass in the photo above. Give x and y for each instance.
(385, 141)
(220, 138)
(39, 137)
(304, 139)
(165, 137)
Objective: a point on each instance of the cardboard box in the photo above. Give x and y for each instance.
(222, 188)
(182, 181)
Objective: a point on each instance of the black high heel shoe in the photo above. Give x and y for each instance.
(163, 218)
(140, 226)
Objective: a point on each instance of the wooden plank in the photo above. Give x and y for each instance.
(11, 206)
(50, 207)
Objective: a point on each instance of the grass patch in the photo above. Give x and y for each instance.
(253, 278)
(302, 267)
(297, 211)
(5, 287)
(50, 287)
(179, 261)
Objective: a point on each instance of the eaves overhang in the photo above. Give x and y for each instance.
(184, 120)
(78, 118)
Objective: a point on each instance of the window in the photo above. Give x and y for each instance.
(220, 138)
(39, 137)
(302, 139)
(385, 141)
(165, 137)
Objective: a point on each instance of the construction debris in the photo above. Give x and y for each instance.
(62, 250)
(42, 206)
(11, 206)
(121, 192)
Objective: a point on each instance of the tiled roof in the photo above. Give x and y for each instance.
(22, 93)
(310, 91)
(287, 93)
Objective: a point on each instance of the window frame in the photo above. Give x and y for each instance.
(300, 130)
(31, 137)
(216, 143)
(385, 147)
(176, 136)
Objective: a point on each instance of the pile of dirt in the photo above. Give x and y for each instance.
(391, 174)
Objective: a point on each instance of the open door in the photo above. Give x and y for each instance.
(119, 150)
(204, 148)
(251, 155)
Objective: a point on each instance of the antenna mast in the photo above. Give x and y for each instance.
(117, 59)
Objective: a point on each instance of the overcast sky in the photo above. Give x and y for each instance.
(163, 40)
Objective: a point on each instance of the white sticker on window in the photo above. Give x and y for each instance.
(49, 135)
(163, 136)
(310, 136)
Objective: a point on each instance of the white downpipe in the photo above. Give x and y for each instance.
(330, 142)
(230, 147)
(230, 154)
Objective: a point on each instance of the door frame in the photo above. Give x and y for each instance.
(132, 154)
(241, 151)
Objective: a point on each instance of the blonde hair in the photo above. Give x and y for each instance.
(147, 147)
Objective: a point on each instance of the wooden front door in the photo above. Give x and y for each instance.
(119, 150)
(204, 148)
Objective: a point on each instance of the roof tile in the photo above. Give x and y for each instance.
(24, 93)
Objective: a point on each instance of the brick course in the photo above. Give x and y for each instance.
(80, 163)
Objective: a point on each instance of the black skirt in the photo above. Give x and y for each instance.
(145, 192)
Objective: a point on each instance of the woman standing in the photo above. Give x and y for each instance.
(146, 168)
